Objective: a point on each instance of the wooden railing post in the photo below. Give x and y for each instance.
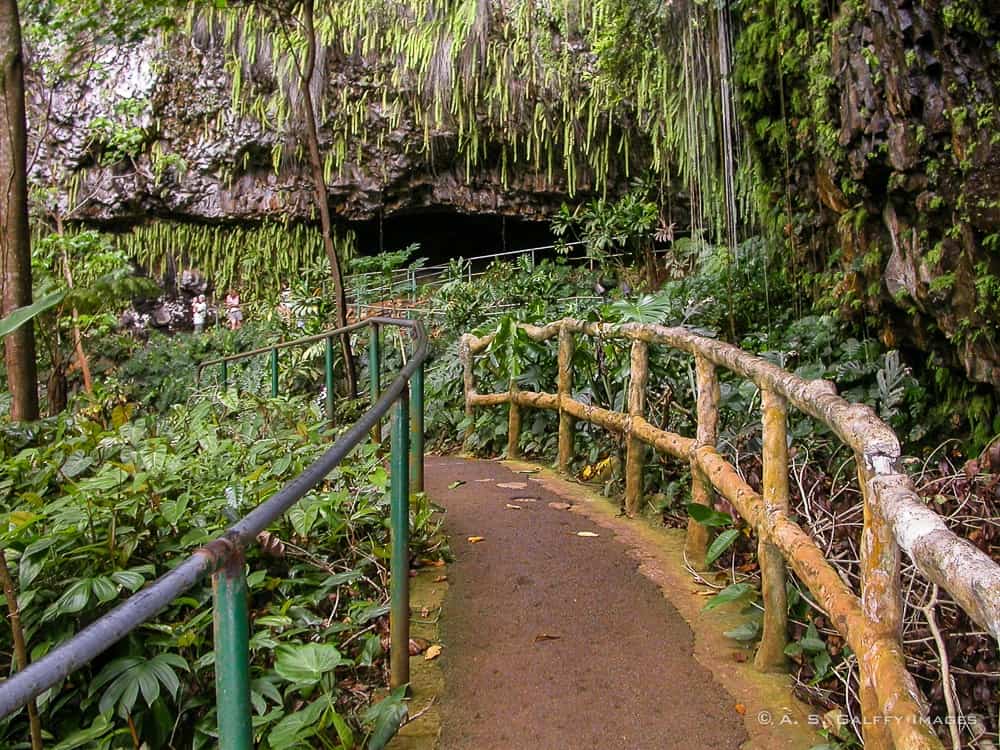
(881, 601)
(469, 386)
(707, 434)
(770, 655)
(635, 455)
(513, 424)
(565, 390)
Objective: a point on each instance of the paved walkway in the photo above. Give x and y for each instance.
(555, 641)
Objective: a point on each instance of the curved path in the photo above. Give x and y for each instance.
(555, 641)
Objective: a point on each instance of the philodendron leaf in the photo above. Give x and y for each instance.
(708, 517)
(736, 592)
(720, 544)
(387, 715)
(306, 663)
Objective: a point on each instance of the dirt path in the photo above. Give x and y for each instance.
(619, 672)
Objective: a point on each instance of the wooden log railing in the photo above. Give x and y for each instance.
(895, 519)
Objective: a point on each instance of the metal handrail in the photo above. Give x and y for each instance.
(223, 557)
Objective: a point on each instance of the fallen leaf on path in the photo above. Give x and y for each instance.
(741, 709)
(528, 471)
(426, 563)
(487, 479)
(525, 499)
(418, 646)
(476, 539)
(440, 579)
(586, 533)
(433, 652)
(512, 485)
(513, 507)
(546, 637)
(456, 483)
(560, 506)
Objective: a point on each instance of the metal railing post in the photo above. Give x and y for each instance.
(274, 373)
(375, 375)
(417, 429)
(328, 373)
(232, 655)
(399, 571)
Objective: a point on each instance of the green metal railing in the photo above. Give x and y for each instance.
(223, 558)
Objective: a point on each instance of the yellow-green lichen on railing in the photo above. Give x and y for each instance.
(895, 519)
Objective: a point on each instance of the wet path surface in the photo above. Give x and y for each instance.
(555, 641)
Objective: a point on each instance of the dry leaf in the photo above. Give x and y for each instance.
(525, 499)
(418, 646)
(513, 507)
(433, 652)
(528, 471)
(440, 579)
(546, 637)
(271, 544)
(741, 709)
(456, 483)
(476, 539)
(586, 533)
(560, 506)
(424, 562)
(487, 479)
(512, 485)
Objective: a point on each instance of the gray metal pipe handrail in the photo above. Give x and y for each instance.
(107, 630)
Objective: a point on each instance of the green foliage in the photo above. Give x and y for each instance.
(620, 227)
(98, 503)
(258, 260)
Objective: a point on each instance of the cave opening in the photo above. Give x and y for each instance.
(444, 234)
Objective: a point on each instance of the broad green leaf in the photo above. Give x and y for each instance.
(297, 726)
(707, 516)
(720, 544)
(22, 315)
(74, 599)
(748, 631)
(279, 467)
(734, 593)
(343, 730)
(75, 464)
(303, 516)
(87, 737)
(811, 641)
(130, 579)
(104, 589)
(387, 715)
(306, 663)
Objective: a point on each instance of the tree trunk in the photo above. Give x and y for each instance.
(15, 247)
(322, 199)
(81, 355)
